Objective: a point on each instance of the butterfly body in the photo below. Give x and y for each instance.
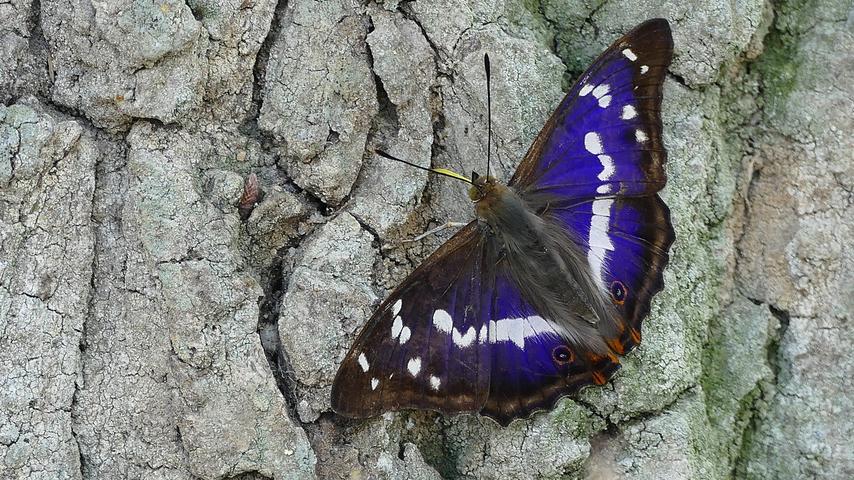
(540, 295)
(541, 260)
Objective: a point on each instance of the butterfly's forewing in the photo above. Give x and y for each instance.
(426, 346)
(605, 136)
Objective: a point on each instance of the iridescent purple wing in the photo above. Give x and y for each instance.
(605, 136)
(596, 168)
(426, 346)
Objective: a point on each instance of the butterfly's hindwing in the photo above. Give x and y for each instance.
(426, 346)
(627, 240)
(457, 336)
(533, 362)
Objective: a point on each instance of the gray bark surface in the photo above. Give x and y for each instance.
(150, 328)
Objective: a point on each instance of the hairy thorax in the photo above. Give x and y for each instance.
(500, 207)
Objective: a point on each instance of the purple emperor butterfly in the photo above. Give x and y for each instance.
(540, 295)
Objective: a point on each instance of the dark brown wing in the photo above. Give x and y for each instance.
(426, 346)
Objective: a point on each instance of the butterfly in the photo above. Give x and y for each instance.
(540, 295)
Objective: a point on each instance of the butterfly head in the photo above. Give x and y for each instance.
(481, 187)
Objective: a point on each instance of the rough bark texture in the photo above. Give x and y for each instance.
(151, 327)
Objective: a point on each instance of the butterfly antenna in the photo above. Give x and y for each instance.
(488, 113)
(440, 171)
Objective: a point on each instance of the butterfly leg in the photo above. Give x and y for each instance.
(438, 229)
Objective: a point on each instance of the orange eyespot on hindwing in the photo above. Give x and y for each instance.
(562, 355)
(618, 292)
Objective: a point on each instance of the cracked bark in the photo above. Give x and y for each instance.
(153, 312)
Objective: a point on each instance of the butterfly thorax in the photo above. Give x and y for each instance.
(505, 213)
(488, 193)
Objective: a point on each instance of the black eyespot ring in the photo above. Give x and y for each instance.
(618, 292)
(562, 355)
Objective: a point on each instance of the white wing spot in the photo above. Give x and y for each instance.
(405, 333)
(629, 112)
(630, 54)
(435, 382)
(644, 69)
(603, 189)
(397, 306)
(587, 88)
(516, 330)
(598, 240)
(464, 341)
(607, 167)
(602, 207)
(593, 144)
(414, 366)
(640, 136)
(605, 101)
(510, 329)
(483, 332)
(536, 325)
(601, 90)
(396, 327)
(374, 383)
(363, 362)
(442, 321)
